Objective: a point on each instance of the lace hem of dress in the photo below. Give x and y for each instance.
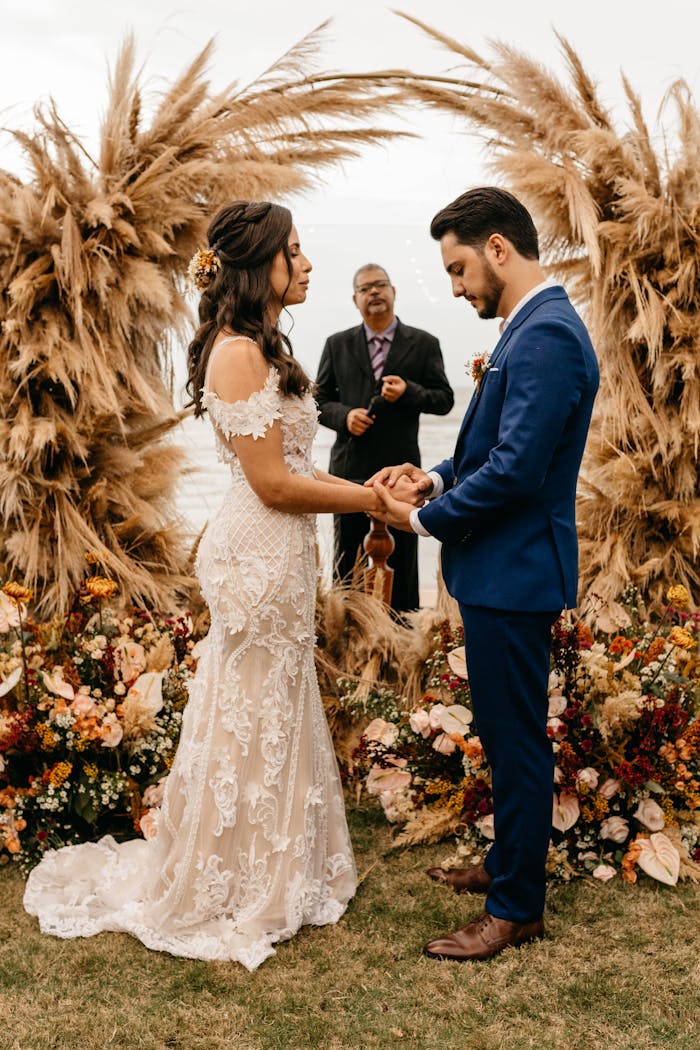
(76, 913)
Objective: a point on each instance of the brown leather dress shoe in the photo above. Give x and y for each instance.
(463, 880)
(483, 938)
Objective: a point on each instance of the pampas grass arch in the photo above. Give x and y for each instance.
(620, 225)
(93, 254)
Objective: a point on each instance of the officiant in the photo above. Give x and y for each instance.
(374, 380)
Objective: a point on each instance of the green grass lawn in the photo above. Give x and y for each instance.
(620, 968)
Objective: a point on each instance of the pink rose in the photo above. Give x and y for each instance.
(485, 826)
(615, 828)
(443, 744)
(111, 731)
(153, 795)
(557, 706)
(130, 660)
(84, 706)
(149, 824)
(604, 872)
(419, 721)
(587, 777)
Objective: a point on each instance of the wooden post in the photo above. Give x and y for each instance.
(378, 545)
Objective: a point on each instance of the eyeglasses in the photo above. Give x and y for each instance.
(362, 289)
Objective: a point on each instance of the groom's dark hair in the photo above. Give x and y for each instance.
(478, 213)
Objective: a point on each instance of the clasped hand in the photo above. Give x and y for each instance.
(400, 489)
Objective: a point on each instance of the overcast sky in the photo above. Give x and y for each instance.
(365, 210)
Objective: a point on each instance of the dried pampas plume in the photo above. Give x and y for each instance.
(93, 255)
(620, 225)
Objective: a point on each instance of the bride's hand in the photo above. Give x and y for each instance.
(393, 511)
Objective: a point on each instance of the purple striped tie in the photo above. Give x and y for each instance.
(376, 354)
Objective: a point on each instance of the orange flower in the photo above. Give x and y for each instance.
(18, 592)
(629, 862)
(12, 844)
(20, 824)
(100, 586)
(656, 647)
(92, 558)
(584, 635)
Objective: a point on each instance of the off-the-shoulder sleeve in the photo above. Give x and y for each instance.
(249, 418)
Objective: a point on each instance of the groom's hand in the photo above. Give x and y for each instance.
(394, 512)
(407, 482)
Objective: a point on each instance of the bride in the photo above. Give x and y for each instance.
(251, 839)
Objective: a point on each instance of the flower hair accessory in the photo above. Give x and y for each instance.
(203, 268)
(479, 367)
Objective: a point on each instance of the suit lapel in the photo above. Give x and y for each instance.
(360, 353)
(401, 345)
(555, 292)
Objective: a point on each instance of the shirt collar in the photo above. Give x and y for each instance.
(387, 334)
(548, 283)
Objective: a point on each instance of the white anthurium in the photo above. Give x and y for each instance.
(456, 719)
(435, 715)
(650, 815)
(457, 660)
(381, 732)
(55, 684)
(565, 811)
(659, 858)
(10, 613)
(148, 689)
(8, 684)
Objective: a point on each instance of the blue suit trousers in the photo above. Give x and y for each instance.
(508, 657)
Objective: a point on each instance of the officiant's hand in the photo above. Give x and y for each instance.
(357, 421)
(395, 512)
(406, 481)
(393, 387)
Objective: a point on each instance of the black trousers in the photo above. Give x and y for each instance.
(508, 666)
(351, 529)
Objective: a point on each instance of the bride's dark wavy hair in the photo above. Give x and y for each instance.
(246, 236)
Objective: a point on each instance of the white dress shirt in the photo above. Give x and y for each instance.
(438, 486)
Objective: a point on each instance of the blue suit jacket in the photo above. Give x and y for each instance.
(507, 516)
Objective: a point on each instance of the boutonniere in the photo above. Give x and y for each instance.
(479, 367)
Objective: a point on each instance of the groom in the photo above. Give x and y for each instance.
(504, 509)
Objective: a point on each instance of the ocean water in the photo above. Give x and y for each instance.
(201, 489)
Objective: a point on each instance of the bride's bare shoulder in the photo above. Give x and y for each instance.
(237, 368)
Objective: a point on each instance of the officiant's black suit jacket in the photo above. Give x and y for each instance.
(346, 380)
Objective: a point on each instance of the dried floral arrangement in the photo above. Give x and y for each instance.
(92, 704)
(624, 720)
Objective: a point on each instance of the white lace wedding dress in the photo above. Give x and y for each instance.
(251, 840)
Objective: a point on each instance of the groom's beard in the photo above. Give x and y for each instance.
(493, 290)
